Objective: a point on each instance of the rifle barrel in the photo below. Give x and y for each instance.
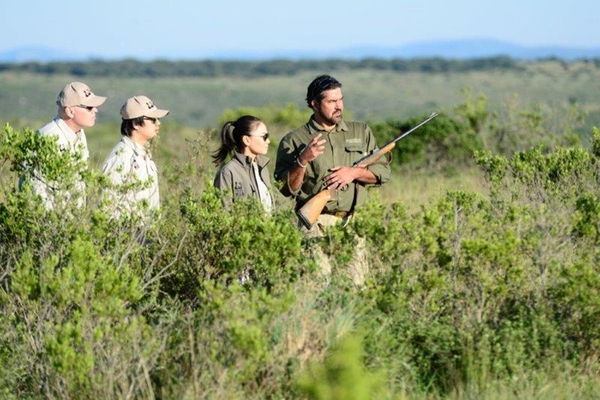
(432, 116)
(396, 139)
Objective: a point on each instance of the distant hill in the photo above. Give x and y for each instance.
(449, 49)
(40, 54)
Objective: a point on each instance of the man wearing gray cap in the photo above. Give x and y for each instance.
(129, 165)
(77, 109)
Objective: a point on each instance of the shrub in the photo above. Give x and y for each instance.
(239, 244)
(288, 116)
(342, 375)
(470, 295)
(442, 143)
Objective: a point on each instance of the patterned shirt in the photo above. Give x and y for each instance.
(68, 188)
(134, 175)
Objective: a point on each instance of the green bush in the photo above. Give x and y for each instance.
(518, 127)
(288, 116)
(471, 295)
(442, 143)
(342, 375)
(238, 244)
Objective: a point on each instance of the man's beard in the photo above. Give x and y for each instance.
(333, 120)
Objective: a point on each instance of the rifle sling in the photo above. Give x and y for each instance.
(355, 199)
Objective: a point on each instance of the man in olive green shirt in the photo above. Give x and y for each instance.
(320, 154)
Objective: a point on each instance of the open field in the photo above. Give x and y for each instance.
(197, 104)
(370, 94)
(478, 285)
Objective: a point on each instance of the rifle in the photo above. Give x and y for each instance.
(310, 211)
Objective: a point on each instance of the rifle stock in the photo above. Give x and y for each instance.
(311, 210)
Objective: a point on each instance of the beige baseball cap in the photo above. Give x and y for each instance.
(78, 94)
(141, 106)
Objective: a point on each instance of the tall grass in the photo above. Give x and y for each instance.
(477, 288)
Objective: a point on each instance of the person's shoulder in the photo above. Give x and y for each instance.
(50, 129)
(225, 173)
(119, 152)
(122, 148)
(230, 166)
(299, 132)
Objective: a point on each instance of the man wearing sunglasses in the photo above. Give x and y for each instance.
(129, 165)
(77, 109)
(319, 155)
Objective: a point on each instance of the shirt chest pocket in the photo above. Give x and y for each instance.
(354, 151)
(143, 169)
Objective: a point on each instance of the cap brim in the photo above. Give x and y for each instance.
(157, 113)
(94, 101)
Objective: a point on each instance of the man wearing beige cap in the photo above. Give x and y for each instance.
(77, 109)
(129, 165)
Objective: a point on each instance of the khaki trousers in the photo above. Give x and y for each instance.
(358, 268)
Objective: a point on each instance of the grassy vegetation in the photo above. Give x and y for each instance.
(470, 294)
(198, 104)
(370, 94)
(483, 277)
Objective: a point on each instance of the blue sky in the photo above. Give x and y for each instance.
(202, 28)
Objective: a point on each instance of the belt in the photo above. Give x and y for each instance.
(339, 214)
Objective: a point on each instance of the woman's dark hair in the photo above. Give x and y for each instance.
(128, 125)
(320, 84)
(231, 136)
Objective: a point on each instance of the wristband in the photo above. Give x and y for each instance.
(300, 163)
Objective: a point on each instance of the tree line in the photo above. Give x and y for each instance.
(214, 68)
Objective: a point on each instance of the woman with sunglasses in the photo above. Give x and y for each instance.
(246, 173)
